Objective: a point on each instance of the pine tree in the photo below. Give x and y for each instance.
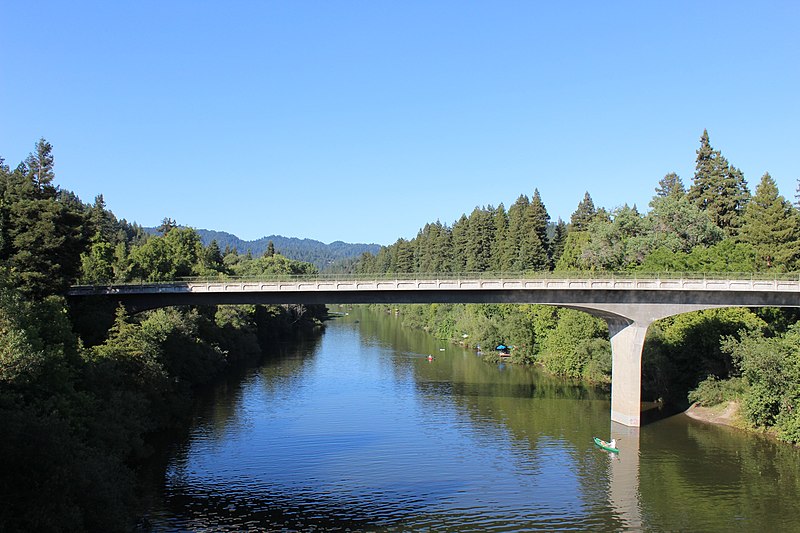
(44, 234)
(670, 185)
(40, 169)
(479, 240)
(718, 187)
(443, 248)
(538, 219)
(166, 226)
(583, 216)
(797, 194)
(423, 250)
(403, 257)
(460, 246)
(558, 241)
(512, 252)
(771, 225)
(500, 236)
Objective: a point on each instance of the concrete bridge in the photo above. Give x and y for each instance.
(628, 304)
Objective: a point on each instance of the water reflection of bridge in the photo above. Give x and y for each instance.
(628, 304)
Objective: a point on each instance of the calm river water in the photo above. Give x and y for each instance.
(359, 431)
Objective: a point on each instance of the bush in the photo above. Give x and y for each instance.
(713, 391)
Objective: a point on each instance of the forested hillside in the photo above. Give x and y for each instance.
(323, 256)
(82, 387)
(716, 224)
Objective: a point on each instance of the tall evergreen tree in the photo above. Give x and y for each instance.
(479, 240)
(443, 248)
(403, 257)
(44, 234)
(584, 214)
(718, 187)
(40, 169)
(103, 223)
(771, 225)
(460, 244)
(517, 221)
(213, 256)
(500, 236)
(670, 185)
(538, 219)
(558, 241)
(797, 194)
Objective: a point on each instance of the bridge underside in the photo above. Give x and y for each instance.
(628, 314)
(599, 302)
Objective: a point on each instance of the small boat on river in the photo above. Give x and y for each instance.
(608, 446)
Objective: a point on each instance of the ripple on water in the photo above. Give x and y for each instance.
(360, 437)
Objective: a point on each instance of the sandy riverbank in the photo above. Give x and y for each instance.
(724, 414)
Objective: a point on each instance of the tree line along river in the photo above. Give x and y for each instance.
(358, 430)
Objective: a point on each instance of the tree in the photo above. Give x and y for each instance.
(211, 260)
(771, 225)
(97, 265)
(538, 221)
(500, 236)
(479, 240)
(403, 257)
(270, 249)
(558, 241)
(44, 232)
(460, 244)
(166, 226)
(718, 187)
(102, 221)
(669, 186)
(619, 244)
(584, 214)
(40, 169)
(571, 258)
(676, 223)
(166, 258)
(797, 194)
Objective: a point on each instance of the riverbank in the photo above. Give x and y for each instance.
(724, 414)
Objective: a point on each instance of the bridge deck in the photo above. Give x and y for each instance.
(336, 285)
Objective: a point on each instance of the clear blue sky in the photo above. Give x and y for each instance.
(361, 121)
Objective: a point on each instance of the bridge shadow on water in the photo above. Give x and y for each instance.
(656, 411)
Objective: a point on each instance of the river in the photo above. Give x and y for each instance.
(359, 431)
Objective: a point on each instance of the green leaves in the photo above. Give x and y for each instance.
(771, 367)
(772, 226)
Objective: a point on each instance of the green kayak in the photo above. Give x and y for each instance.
(605, 445)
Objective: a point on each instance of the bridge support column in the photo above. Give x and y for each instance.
(627, 341)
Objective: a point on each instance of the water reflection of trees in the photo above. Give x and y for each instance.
(534, 410)
(700, 477)
(219, 407)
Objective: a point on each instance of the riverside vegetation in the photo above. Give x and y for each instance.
(715, 226)
(82, 388)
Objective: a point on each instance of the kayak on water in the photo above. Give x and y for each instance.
(609, 446)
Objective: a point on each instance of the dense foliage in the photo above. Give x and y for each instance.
(714, 225)
(82, 387)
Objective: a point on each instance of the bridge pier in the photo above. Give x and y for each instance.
(627, 342)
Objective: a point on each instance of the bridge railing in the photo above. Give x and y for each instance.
(593, 275)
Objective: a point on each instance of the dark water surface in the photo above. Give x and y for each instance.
(361, 432)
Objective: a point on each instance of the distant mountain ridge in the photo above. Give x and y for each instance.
(318, 253)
